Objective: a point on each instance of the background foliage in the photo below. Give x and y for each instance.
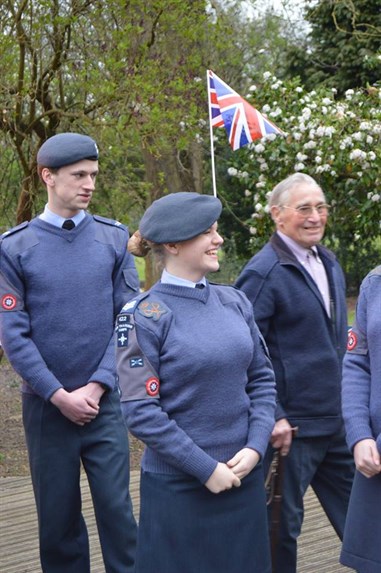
(132, 74)
(342, 48)
(335, 140)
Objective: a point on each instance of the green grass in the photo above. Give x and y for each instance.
(351, 317)
(140, 267)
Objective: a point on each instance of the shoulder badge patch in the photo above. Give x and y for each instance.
(152, 310)
(352, 340)
(123, 327)
(152, 386)
(8, 301)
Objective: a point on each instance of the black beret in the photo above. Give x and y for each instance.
(65, 149)
(179, 217)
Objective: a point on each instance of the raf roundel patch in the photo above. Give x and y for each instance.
(8, 301)
(152, 310)
(352, 340)
(152, 386)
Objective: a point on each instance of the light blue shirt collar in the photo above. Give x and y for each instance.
(49, 217)
(167, 278)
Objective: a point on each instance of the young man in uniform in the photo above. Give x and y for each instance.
(297, 290)
(63, 278)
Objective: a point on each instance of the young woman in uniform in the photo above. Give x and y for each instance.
(198, 389)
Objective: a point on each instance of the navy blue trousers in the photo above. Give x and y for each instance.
(56, 449)
(327, 466)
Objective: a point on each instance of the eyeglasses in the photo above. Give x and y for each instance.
(307, 210)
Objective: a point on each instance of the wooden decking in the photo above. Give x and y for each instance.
(318, 548)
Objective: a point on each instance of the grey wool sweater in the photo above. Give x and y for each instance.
(217, 390)
(61, 291)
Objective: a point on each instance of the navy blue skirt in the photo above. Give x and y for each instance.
(362, 535)
(184, 528)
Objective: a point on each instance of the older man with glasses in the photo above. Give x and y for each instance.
(297, 290)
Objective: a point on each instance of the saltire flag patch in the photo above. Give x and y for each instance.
(243, 123)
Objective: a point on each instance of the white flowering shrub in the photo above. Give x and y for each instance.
(338, 142)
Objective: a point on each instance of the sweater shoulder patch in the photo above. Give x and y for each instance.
(111, 232)
(227, 293)
(19, 238)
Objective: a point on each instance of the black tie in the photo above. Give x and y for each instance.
(199, 285)
(68, 225)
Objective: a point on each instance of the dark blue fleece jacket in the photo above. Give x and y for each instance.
(305, 344)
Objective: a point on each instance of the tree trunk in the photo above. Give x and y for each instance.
(27, 199)
(169, 173)
(156, 190)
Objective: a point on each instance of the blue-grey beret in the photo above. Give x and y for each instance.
(65, 149)
(179, 217)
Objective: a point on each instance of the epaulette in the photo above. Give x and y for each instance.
(110, 222)
(132, 305)
(15, 229)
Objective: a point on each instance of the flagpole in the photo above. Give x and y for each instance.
(211, 137)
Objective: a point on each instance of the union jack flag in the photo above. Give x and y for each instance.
(243, 123)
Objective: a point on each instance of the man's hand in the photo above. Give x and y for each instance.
(367, 458)
(243, 462)
(281, 436)
(222, 479)
(76, 407)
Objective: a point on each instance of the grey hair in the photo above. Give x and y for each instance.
(280, 195)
